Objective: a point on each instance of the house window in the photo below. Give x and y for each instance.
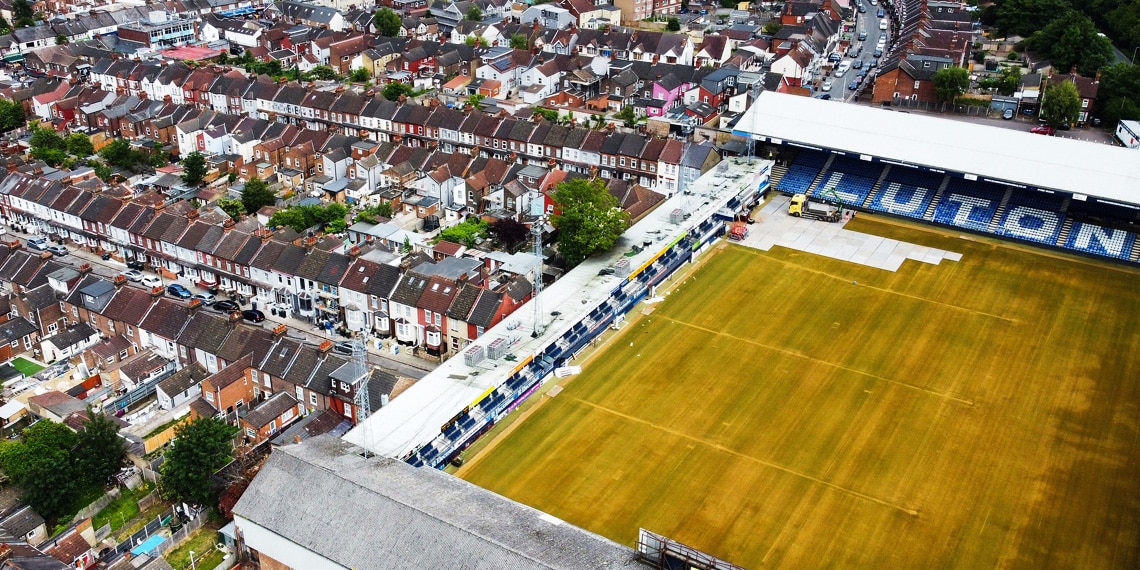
(52, 328)
(313, 398)
(253, 375)
(122, 354)
(110, 360)
(916, 84)
(250, 433)
(478, 332)
(300, 394)
(182, 351)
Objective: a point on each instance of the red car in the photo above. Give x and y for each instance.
(1043, 130)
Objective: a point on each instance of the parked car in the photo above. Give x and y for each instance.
(58, 250)
(344, 347)
(206, 298)
(1007, 114)
(133, 275)
(226, 306)
(253, 315)
(136, 264)
(858, 64)
(862, 36)
(834, 56)
(824, 96)
(151, 281)
(176, 290)
(1043, 130)
(877, 53)
(38, 243)
(826, 86)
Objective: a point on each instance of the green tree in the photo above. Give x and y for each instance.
(324, 73)
(387, 22)
(61, 40)
(1074, 41)
(672, 25)
(1005, 83)
(200, 448)
(1025, 17)
(393, 90)
(475, 100)
(79, 144)
(194, 169)
(465, 233)
(591, 220)
(11, 114)
(1061, 104)
(48, 146)
(120, 154)
(548, 114)
(159, 158)
(231, 206)
(951, 82)
(1118, 96)
(474, 13)
(256, 195)
(22, 13)
(627, 115)
(359, 75)
(42, 465)
(290, 217)
(100, 451)
(771, 27)
(519, 41)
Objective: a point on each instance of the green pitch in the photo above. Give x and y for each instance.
(774, 413)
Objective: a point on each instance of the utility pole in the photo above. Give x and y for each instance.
(536, 231)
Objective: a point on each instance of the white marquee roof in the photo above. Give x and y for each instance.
(1067, 165)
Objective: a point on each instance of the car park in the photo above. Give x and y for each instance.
(253, 315)
(1007, 114)
(58, 250)
(151, 281)
(177, 290)
(226, 306)
(1043, 130)
(133, 275)
(206, 298)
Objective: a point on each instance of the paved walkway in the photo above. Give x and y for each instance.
(775, 227)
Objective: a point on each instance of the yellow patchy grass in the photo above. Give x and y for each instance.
(775, 413)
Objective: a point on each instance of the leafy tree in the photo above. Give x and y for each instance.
(324, 73)
(951, 82)
(22, 13)
(771, 27)
(626, 114)
(100, 450)
(387, 22)
(42, 465)
(475, 100)
(359, 75)
(1005, 83)
(465, 233)
(256, 195)
(728, 3)
(548, 114)
(1024, 17)
(591, 220)
(103, 171)
(519, 41)
(290, 217)
(231, 206)
(120, 154)
(194, 169)
(471, 41)
(509, 232)
(200, 448)
(61, 40)
(474, 13)
(159, 158)
(79, 144)
(11, 114)
(672, 25)
(5, 27)
(1073, 40)
(393, 90)
(1061, 104)
(48, 146)
(1118, 96)
(370, 214)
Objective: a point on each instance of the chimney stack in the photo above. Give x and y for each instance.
(156, 291)
(279, 330)
(119, 281)
(325, 347)
(85, 269)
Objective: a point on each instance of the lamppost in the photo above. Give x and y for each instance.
(192, 561)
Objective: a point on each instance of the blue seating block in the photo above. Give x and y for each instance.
(903, 199)
(1099, 240)
(852, 189)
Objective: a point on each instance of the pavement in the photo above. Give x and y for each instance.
(775, 227)
(401, 363)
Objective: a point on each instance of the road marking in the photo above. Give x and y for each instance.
(756, 460)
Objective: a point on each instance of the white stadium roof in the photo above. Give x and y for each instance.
(1067, 165)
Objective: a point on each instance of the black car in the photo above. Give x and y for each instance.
(136, 264)
(253, 315)
(226, 306)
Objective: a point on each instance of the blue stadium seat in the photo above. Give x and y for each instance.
(903, 199)
(968, 204)
(1032, 216)
(802, 172)
(1099, 240)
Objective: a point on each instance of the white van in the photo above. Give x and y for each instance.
(842, 68)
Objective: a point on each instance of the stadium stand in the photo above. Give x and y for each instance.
(802, 172)
(967, 204)
(906, 192)
(851, 179)
(1032, 216)
(1099, 240)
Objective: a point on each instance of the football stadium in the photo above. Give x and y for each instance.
(774, 406)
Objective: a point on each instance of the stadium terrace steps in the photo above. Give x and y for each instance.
(778, 172)
(820, 175)
(1000, 213)
(1135, 255)
(1063, 237)
(929, 215)
(878, 185)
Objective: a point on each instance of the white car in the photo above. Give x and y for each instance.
(151, 281)
(133, 275)
(882, 24)
(826, 86)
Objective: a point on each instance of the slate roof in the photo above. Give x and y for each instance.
(231, 373)
(270, 409)
(429, 515)
(185, 378)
